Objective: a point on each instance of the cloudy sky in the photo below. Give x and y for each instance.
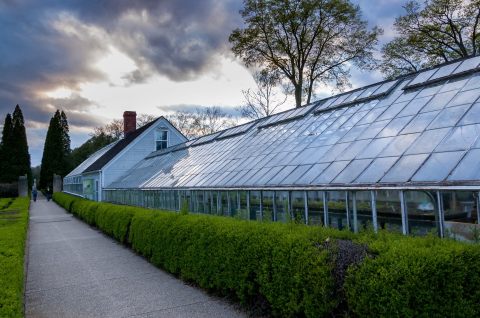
(96, 58)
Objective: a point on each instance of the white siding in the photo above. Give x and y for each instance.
(137, 150)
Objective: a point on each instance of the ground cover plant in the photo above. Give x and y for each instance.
(295, 270)
(13, 234)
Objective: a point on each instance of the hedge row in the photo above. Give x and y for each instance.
(295, 270)
(13, 234)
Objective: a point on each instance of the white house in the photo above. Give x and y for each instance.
(114, 160)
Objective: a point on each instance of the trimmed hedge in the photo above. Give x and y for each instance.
(296, 270)
(13, 234)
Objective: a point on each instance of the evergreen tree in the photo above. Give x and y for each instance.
(19, 150)
(56, 151)
(6, 160)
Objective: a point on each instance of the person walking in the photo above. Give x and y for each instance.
(49, 194)
(34, 194)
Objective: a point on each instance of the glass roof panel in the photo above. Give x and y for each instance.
(438, 166)
(461, 138)
(311, 174)
(422, 77)
(445, 70)
(439, 101)
(375, 147)
(468, 64)
(395, 126)
(468, 168)
(398, 146)
(282, 174)
(465, 97)
(376, 170)
(403, 170)
(352, 171)
(414, 106)
(420, 122)
(296, 174)
(331, 172)
(472, 116)
(449, 117)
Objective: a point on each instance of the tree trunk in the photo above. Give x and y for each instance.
(298, 95)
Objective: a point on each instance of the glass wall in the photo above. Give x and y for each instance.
(243, 212)
(338, 217)
(268, 213)
(422, 212)
(282, 210)
(450, 213)
(315, 207)
(363, 210)
(255, 205)
(461, 213)
(389, 211)
(298, 206)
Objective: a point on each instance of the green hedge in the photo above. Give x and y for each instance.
(295, 270)
(13, 234)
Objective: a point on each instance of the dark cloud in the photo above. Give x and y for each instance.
(53, 43)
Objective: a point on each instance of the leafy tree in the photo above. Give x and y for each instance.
(56, 151)
(307, 41)
(436, 32)
(264, 100)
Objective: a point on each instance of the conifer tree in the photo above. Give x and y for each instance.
(19, 151)
(6, 146)
(56, 150)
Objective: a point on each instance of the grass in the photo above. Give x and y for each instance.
(13, 234)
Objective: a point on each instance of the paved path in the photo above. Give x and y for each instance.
(76, 271)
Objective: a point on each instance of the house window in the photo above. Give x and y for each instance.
(161, 139)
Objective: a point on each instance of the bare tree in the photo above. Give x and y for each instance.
(201, 121)
(307, 41)
(144, 119)
(264, 100)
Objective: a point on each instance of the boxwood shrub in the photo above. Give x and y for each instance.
(295, 270)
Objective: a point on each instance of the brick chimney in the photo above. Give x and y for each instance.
(129, 122)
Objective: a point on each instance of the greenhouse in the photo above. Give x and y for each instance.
(401, 155)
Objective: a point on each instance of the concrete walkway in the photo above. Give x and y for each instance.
(76, 271)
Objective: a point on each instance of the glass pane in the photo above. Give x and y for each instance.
(364, 210)
(438, 166)
(376, 170)
(468, 65)
(374, 129)
(242, 212)
(469, 167)
(225, 203)
(375, 147)
(466, 97)
(281, 206)
(398, 146)
(422, 212)
(337, 210)
(414, 106)
(352, 171)
(296, 174)
(395, 126)
(428, 141)
(472, 116)
(449, 117)
(267, 206)
(420, 122)
(445, 70)
(389, 215)
(392, 111)
(331, 172)
(311, 174)
(298, 206)
(460, 139)
(461, 214)
(404, 168)
(255, 205)
(439, 101)
(315, 207)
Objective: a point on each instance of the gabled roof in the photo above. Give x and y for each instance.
(422, 129)
(103, 156)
